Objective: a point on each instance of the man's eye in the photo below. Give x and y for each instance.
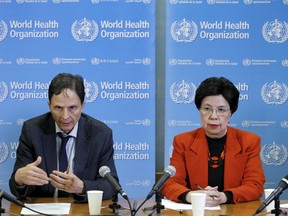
(73, 108)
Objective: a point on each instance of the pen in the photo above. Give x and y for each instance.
(198, 186)
(68, 169)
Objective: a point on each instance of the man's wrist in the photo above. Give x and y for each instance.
(83, 192)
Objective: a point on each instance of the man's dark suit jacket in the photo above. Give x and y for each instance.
(94, 148)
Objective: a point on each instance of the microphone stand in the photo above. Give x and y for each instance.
(114, 206)
(277, 211)
(1, 209)
(158, 206)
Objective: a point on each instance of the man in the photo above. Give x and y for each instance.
(90, 145)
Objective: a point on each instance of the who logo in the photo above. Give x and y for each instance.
(3, 91)
(275, 31)
(274, 93)
(4, 152)
(274, 154)
(184, 31)
(91, 91)
(182, 92)
(84, 30)
(3, 30)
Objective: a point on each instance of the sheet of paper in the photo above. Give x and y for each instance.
(284, 205)
(47, 208)
(181, 206)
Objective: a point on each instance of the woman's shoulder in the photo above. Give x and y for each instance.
(241, 132)
(190, 134)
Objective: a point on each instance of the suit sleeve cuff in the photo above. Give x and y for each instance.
(182, 196)
(229, 196)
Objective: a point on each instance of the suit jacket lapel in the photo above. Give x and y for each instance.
(50, 155)
(49, 145)
(82, 148)
(232, 154)
(199, 162)
(49, 149)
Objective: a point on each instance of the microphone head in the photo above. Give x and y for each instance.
(284, 183)
(285, 178)
(103, 171)
(170, 170)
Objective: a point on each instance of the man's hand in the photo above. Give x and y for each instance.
(31, 174)
(67, 182)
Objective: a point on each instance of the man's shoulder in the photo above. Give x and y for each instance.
(40, 118)
(91, 121)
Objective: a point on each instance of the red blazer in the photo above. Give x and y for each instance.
(243, 172)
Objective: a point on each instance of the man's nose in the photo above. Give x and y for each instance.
(65, 114)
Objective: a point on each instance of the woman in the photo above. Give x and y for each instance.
(222, 161)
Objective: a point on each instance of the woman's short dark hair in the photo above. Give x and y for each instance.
(67, 81)
(218, 86)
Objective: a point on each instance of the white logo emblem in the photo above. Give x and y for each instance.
(245, 123)
(56, 61)
(173, 1)
(91, 91)
(246, 62)
(210, 62)
(182, 92)
(20, 121)
(273, 154)
(95, 61)
(3, 91)
(285, 62)
(145, 182)
(95, 1)
(3, 30)
(20, 61)
(173, 61)
(84, 30)
(172, 123)
(3, 152)
(184, 31)
(247, 1)
(284, 124)
(274, 93)
(146, 122)
(275, 31)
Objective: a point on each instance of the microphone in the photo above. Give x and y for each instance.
(104, 171)
(283, 185)
(18, 202)
(168, 172)
(11, 198)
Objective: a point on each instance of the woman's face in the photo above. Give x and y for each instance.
(215, 115)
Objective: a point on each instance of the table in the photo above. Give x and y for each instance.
(240, 209)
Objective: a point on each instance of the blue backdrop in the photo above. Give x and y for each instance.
(112, 45)
(245, 41)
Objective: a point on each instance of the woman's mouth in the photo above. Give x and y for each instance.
(214, 126)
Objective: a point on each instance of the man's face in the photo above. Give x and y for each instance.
(66, 109)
